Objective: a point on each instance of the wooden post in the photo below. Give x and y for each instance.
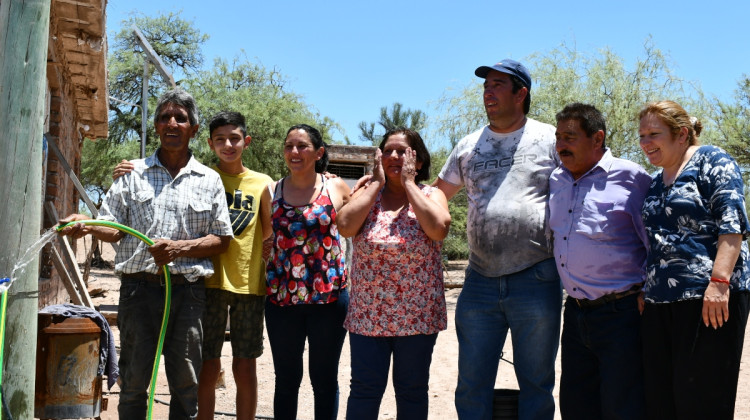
(24, 34)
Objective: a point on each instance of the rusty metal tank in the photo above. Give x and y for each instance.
(67, 359)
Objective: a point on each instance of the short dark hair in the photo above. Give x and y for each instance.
(517, 85)
(227, 118)
(417, 144)
(588, 116)
(178, 96)
(317, 140)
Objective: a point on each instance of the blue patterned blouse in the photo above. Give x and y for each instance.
(683, 222)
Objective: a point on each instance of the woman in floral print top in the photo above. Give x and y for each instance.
(306, 277)
(397, 301)
(696, 289)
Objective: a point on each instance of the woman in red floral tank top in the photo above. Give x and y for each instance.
(306, 277)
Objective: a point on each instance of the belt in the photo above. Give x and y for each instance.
(611, 297)
(176, 279)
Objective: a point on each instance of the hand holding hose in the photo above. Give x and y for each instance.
(164, 251)
(76, 230)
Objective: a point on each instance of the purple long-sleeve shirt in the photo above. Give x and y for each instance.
(600, 243)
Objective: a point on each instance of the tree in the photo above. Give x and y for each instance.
(565, 75)
(415, 120)
(454, 245)
(98, 158)
(732, 125)
(238, 84)
(177, 42)
(261, 96)
(618, 92)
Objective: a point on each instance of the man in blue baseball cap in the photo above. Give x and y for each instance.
(511, 282)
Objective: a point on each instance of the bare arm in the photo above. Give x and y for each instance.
(165, 251)
(340, 193)
(716, 297)
(432, 212)
(446, 187)
(352, 216)
(265, 214)
(362, 182)
(80, 230)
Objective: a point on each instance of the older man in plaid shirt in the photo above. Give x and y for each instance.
(179, 203)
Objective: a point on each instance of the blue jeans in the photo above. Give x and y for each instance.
(323, 327)
(602, 365)
(139, 319)
(371, 359)
(528, 303)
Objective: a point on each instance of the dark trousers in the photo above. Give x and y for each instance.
(371, 359)
(139, 321)
(601, 361)
(322, 326)
(691, 370)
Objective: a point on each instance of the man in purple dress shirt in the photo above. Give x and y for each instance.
(600, 249)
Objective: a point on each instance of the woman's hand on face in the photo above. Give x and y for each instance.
(716, 304)
(378, 174)
(409, 166)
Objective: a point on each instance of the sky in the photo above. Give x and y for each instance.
(347, 59)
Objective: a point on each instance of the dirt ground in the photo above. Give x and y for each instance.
(443, 372)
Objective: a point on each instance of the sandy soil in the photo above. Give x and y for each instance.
(443, 372)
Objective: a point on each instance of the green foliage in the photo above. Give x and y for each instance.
(237, 85)
(732, 126)
(603, 80)
(98, 159)
(177, 42)
(565, 75)
(415, 120)
(462, 112)
(260, 95)
(454, 245)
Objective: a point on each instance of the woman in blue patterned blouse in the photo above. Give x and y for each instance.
(696, 292)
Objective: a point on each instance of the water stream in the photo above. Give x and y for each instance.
(29, 255)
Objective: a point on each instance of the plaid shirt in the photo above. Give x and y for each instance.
(149, 200)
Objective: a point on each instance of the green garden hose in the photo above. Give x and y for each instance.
(167, 300)
(3, 306)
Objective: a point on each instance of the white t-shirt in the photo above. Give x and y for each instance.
(506, 178)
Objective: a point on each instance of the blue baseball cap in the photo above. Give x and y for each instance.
(507, 66)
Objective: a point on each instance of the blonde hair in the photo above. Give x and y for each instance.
(675, 117)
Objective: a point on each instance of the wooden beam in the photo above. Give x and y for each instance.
(65, 276)
(73, 177)
(77, 3)
(69, 260)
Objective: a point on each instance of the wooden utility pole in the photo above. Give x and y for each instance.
(24, 34)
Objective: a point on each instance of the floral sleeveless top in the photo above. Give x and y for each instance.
(307, 264)
(397, 277)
